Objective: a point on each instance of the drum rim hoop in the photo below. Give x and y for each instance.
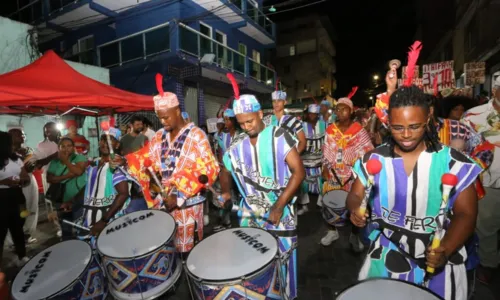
(232, 280)
(275, 256)
(72, 283)
(142, 255)
(388, 279)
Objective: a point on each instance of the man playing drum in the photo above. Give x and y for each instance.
(345, 142)
(267, 169)
(314, 129)
(409, 205)
(181, 153)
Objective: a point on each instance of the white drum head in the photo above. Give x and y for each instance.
(52, 270)
(230, 254)
(136, 234)
(335, 199)
(386, 289)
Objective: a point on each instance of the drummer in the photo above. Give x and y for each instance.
(314, 129)
(230, 135)
(110, 191)
(268, 171)
(181, 152)
(406, 201)
(345, 142)
(288, 122)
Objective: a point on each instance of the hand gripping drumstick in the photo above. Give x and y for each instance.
(394, 65)
(228, 205)
(373, 167)
(148, 164)
(203, 179)
(449, 181)
(105, 127)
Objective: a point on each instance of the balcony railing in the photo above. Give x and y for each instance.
(260, 72)
(29, 13)
(86, 57)
(197, 44)
(256, 15)
(140, 45)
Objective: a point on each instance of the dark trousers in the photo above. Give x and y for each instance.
(10, 219)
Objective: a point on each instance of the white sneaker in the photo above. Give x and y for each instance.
(356, 243)
(330, 237)
(302, 210)
(21, 262)
(206, 220)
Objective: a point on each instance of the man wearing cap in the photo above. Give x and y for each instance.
(314, 129)
(326, 113)
(267, 169)
(181, 153)
(485, 119)
(287, 122)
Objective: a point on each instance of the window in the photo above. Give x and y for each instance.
(222, 52)
(220, 37)
(205, 42)
(82, 51)
(256, 73)
(286, 70)
(242, 49)
(292, 50)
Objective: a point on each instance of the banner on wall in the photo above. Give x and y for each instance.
(474, 73)
(444, 71)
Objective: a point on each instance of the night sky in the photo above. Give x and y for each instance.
(369, 34)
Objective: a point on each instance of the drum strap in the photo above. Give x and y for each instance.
(421, 262)
(337, 178)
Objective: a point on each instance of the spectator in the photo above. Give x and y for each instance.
(13, 176)
(134, 140)
(81, 143)
(148, 129)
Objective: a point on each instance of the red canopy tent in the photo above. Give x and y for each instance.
(51, 86)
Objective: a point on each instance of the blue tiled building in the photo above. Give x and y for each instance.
(192, 43)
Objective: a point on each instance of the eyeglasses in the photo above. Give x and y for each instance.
(415, 128)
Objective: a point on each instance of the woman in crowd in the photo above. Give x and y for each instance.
(69, 170)
(81, 143)
(13, 177)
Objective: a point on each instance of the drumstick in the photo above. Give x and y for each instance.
(394, 65)
(373, 167)
(105, 127)
(76, 225)
(449, 181)
(203, 179)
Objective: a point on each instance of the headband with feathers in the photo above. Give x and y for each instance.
(242, 104)
(164, 100)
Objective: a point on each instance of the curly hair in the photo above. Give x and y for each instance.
(6, 152)
(413, 96)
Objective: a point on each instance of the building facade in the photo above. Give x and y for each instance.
(193, 44)
(305, 57)
(464, 31)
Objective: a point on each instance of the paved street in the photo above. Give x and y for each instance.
(322, 271)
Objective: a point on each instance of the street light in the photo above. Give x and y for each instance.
(375, 77)
(371, 97)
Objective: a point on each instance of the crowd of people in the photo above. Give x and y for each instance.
(270, 165)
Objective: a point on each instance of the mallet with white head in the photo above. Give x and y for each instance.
(449, 181)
